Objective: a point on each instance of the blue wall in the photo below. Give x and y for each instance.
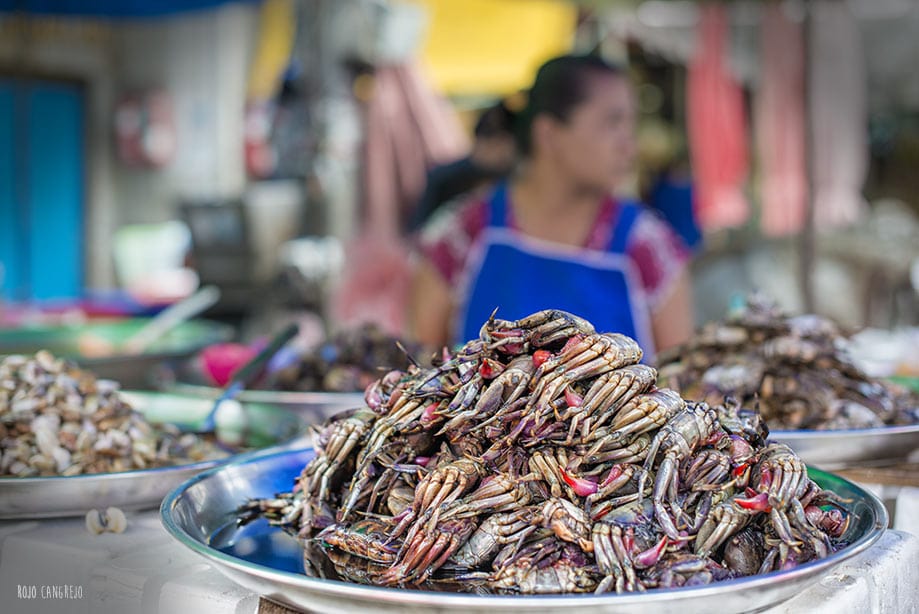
(111, 8)
(42, 188)
(9, 211)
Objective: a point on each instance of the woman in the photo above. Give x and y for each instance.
(553, 237)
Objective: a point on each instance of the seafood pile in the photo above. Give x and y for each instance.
(795, 370)
(541, 458)
(56, 419)
(347, 361)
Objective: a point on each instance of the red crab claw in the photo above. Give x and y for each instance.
(572, 398)
(581, 486)
(652, 555)
(614, 473)
(573, 340)
(540, 356)
(429, 414)
(489, 369)
(759, 503)
(740, 469)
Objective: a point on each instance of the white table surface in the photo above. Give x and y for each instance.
(143, 570)
(906, 512)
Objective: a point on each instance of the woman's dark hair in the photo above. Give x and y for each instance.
(561, 84)
(496, 120)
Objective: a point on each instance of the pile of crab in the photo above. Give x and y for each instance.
(58, 419)
(348, 361)
(541, 458)
(795, 370)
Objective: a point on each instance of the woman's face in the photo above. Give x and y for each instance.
(595, 146)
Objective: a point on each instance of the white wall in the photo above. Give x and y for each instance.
(201, 59)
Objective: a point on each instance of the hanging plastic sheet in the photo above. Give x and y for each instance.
(837, 113)
(717, 126)
(408, 128)
(779, 123)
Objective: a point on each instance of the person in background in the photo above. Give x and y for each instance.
(671, 195)
(554, 236)
(492, 157)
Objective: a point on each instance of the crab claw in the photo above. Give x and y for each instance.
(759, 503)
(741, 450)
(765, 478)
(573, 340)
(540, 356)
(614, 473)
(581, 486)
(652, 555)
(373, 396)
(429, 414)
(512, 348)
(572, 398)
(490, 368)
(714, 438)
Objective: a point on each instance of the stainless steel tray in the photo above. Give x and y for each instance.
(268, 427)
(131, 371)
(200, 514)
(313, 407)
(855, 447)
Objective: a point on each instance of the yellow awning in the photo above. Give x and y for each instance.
(276, 32)
(493, 47)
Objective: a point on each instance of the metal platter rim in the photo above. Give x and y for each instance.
(114, 475)
(365, 593)
(845, 433)
(271, 396)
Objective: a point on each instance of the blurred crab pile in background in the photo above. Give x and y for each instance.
(798, 371)
(348, 361)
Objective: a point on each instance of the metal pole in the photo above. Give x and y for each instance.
(807, 248)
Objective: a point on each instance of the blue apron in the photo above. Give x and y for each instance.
(521, 275)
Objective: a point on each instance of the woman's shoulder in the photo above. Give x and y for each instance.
(649, 225)
(624, 222)
(446, 240)
(656, 251)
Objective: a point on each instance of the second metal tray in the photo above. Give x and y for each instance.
(852, 448)
(268, 427)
